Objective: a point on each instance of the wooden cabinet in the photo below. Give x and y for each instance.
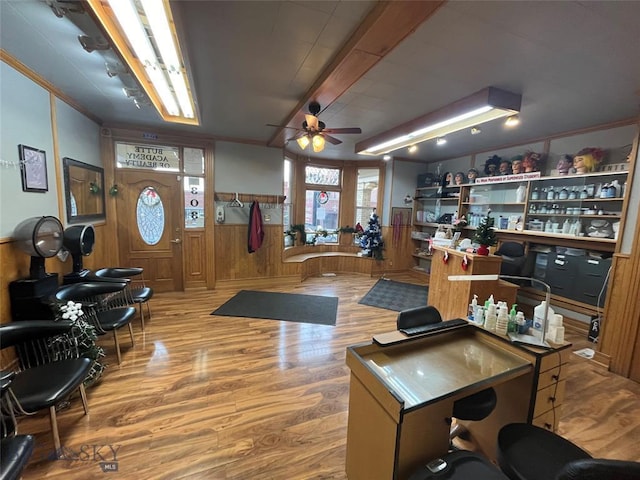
(452, 299)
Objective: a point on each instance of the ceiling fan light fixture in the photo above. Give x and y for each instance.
(303, 141)
(483, 106)
(318, 143)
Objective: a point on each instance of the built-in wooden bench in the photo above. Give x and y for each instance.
(320, 259)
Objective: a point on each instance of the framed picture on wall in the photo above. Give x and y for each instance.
(33, 167)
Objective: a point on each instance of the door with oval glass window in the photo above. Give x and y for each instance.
(150, 221)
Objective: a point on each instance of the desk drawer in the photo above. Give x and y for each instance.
(548, 420)
(559, 357)
(550, 377)
(547, 397)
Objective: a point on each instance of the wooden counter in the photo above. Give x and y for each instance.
(401, 395)
(452, 299)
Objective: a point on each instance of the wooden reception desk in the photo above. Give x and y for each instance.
(402, 392)
(452, 299)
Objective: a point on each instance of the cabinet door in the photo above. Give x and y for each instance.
(591, 285)
(561, 274)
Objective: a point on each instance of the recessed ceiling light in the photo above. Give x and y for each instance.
(386, 158)
(512, 121)
(475, 131)
(441, 141)
(413, 149)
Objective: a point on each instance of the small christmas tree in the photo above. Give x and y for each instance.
(485, 234)
(371, 240)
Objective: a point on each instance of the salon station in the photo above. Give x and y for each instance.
(312, 240)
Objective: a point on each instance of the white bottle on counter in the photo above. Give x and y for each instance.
(539, 321)
(478, 318)
(491, 318)
(502, 321)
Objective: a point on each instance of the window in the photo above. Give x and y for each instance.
(150, 216)
(366, 194)
(193, 202)
(322, 203)
(287, 191)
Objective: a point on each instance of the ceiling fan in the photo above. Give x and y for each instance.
(314, 131)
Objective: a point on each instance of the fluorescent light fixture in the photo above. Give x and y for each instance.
(441, 141)
(137, 34)
(488, 104)
(512, 121)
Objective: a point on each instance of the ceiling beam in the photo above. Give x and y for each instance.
(382, 30)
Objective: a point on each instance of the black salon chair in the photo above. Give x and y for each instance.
(15, 450)
(513, 258)
(104, 305)
(458, 465)
(528, 452)
(474, 408)
(139, 292)
(50, 369)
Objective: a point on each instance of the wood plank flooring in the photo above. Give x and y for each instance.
(209, 397)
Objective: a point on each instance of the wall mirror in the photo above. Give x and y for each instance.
(84, 191)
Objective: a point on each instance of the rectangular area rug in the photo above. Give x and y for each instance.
(394, 295)
(290, 307)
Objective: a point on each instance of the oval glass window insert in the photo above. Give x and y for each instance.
(150, 216)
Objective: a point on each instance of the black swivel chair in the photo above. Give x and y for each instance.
(528, 452)
(475, 407)
(513, 259)
(139, 292)
(50, 369)
(15, 450)
(104, 305)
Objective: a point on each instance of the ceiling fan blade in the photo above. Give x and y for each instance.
(343, 130)
(312, 121)
(282, 126)
(331, 139)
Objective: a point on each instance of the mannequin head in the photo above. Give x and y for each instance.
(516, 165)
(459, 178)
(472, 174)
(505, 167)
(491, 166)
(587, 159)
(565, 163)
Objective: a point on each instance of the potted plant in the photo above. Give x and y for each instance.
(300, 229)
(485, 235)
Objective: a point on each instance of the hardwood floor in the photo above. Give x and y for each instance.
(208, 397)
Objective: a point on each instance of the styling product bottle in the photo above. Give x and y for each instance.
(550, 194)
(512, 319)
(535, 195)
(521, 322)
(473, 307)
(479, 317)
(502, 321)
(573, 194)
(491, 318)
(539, 319)
(521, 194)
